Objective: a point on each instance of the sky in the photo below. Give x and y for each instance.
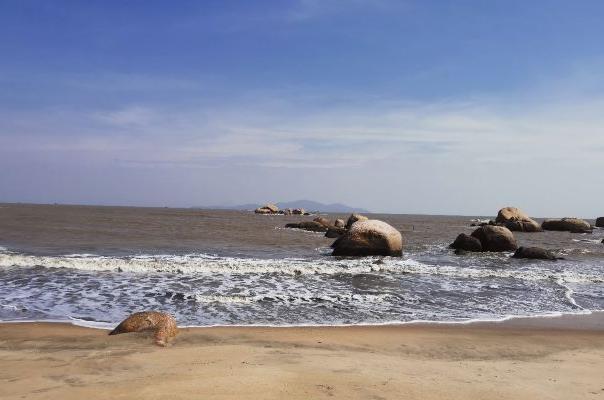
(432, 107)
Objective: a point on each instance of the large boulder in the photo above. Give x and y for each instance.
(369, 238)
(339, 223)
(516, 220)
(574, 225)
(600, 222)
(466, 242)
(354, 218)
(534, 253)
(495, 238)
(267, 209)
(312, 226)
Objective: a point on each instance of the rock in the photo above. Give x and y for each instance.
(495, 238)
(516, 220)
(461, 252)
(535, 253)
(298, 211)
(369, 238)
(162, 324)
(354, 218)
(323, 221)
(267, 209)
(574, 225)
(312, 226)
(600, 222)
(523, 226)
(335, 232)
(466, 242)
(339, 223)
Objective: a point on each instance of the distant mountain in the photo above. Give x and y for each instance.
(308, 205)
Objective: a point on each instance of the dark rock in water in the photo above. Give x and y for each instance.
(600, 222)
(516, 220)
(574, 225)
(536, 253)
(369, 238)
(495, 238)
(334, 232)
(298, 211)
(466, 242)
(339, 223)
(312, 226)
(354, 218)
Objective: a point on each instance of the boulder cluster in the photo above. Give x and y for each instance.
(273, 209)
(359, 236)
(496, 235)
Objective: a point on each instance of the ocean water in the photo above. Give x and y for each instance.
(96, 265)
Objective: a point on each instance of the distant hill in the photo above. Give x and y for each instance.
(308, 205)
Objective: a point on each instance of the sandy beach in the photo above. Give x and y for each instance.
(543, 358)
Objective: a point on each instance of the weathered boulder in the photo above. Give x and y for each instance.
(312, 226)
(339, 223)
(516, 220)
(162, 325)
(574, 225)
(466, 242)
(495, 238)
(354, 218)
(369, 238)
(600, 222)
(267, 209)
(535, 253)
(298, 211)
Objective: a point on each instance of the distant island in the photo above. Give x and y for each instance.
(308, 205)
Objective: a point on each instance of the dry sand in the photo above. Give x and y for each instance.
(524, 359)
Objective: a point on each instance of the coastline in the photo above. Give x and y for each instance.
(520, 358)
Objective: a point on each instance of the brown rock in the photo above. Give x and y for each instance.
(162, 324)
(312, 226)
(323, 221)
(339, 223)
(495, 238)
(369, 238)
(516, 220)
(466, 242)
(267, 209)
(335, 232)
(574, 225)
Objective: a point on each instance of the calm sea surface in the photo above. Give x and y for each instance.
(96, 265)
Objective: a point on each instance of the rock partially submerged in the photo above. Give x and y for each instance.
(466, 242)
(516, 220)
(162, 325)
(312, 226)
(369, 238)
(267, 209)
(574, 225)
(600, 222)
(495, 238)
(334, 232)
(534, 253)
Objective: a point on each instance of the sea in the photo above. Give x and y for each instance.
(94, 266)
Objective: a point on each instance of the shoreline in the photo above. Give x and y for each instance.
(522, 359)
(580, 320)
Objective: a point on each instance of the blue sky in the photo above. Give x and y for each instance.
(450, 107)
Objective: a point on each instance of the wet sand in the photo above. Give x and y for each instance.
(545, 358)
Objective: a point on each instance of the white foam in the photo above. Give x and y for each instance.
(212, 264)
